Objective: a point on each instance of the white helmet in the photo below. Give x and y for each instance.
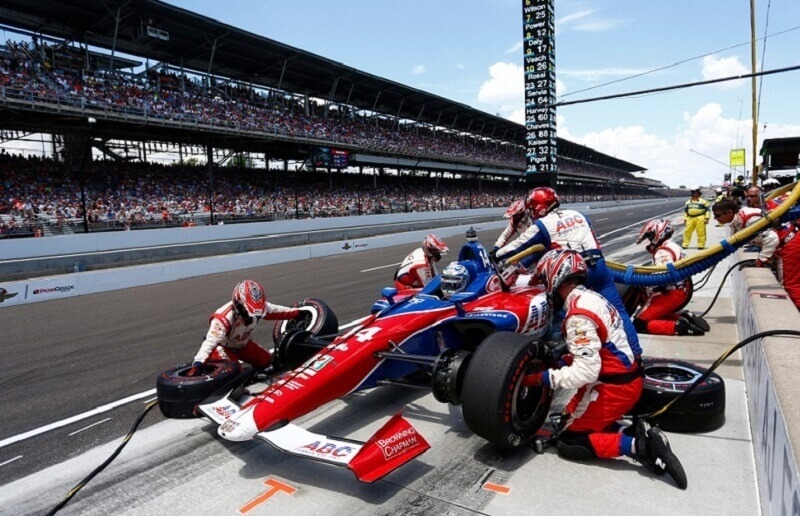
(455, 278)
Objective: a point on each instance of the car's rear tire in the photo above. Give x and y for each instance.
(179, 394)
(319, 319)
(490, 399)
(703, 410)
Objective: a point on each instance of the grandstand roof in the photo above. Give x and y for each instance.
(202, 44)
(197, 43)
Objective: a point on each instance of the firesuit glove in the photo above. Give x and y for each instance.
(195, 370)
(493, 255)
(565, 360)
(533, 380)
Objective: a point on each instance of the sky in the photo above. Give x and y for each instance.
(470, 51)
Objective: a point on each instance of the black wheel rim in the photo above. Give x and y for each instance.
(672, 373)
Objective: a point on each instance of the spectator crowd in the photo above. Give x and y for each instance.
(40, 196)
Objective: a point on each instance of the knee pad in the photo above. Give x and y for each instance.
(575, 447)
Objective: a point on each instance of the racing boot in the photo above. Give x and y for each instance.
(683, 326)
(661, 458)
(639, 430)
(696, 320)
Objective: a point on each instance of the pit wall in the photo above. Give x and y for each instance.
(91, 282)
(772, 381)
(355, 236)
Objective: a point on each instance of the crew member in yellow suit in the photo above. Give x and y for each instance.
(698, 213)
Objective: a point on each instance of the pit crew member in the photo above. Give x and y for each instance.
(228, 336)
(604, 369)
(419, 267)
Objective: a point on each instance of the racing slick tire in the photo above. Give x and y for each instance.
(179, 394)
(495, 404)
(703, 410)
(294, 349)
(319, 320)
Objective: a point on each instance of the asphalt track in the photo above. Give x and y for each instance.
(63, 359)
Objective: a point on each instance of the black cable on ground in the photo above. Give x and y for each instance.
(716, 364)
(102, 466)
(705, 278)
(744, 263)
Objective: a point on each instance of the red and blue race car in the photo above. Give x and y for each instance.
(472, 350)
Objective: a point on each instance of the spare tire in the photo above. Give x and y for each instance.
(491, 400)
(179, 394)
(703, 410)
(317, 318)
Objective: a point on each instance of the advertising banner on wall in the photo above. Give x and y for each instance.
(38, 290)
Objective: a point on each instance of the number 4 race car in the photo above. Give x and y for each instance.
(471, 350)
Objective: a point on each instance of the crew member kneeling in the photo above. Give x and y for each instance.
(228, 336)
(604, 370)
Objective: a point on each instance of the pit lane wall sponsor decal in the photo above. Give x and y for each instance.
(776, 463)
(5, 294)
(38, 290)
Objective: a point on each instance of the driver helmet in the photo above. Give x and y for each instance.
(719, 190)
(515, 211)
(455, 278)
(249, 301)
(433, 247)
(557, 266)
(541, 201)
(656, 231)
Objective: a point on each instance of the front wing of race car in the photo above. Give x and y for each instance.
(394, 444)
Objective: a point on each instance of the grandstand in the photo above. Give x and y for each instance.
(334, 140)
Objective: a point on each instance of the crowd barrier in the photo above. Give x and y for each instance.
(91, 282)
(770, 373)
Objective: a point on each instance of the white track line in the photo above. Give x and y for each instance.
(90, 426)
(73, 419)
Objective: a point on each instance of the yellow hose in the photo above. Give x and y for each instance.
(527, 252)
(741, 236)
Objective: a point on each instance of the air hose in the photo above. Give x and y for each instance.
(676, 272)
(102, 466)
(705, 278)
(744, 263)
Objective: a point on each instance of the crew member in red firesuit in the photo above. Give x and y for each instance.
(659, 313)
(228, 336)
(726, 212)
(605, 371)
(419, 267)
(557, 228)
(787, 254)
(518, 222)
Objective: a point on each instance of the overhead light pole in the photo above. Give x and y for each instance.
(753, 89)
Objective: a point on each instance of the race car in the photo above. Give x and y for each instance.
(471, 349)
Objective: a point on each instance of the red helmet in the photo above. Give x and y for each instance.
(516, 209)
(434, 247)
(656, 231)
(249, 300)
(542, 201)
(557, 266)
